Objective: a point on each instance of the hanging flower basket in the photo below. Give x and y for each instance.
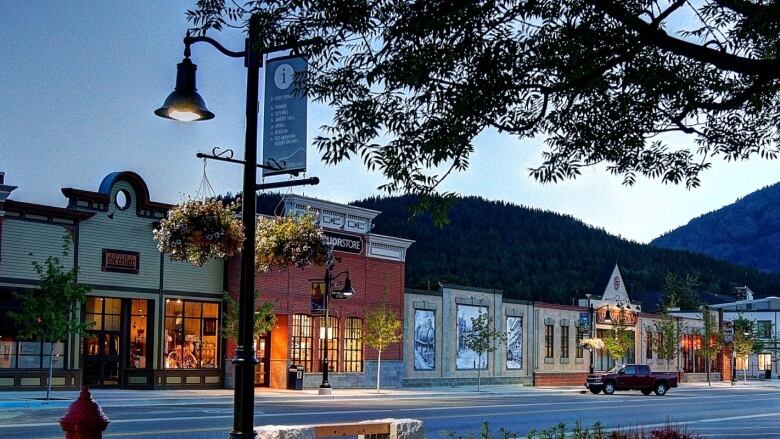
(289, 242)
(196, 231)
(593, 344)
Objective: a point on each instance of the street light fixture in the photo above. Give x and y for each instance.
(344, 293)
(185, 104)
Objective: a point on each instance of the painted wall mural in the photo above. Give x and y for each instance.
(467, 358)
(424, 339)
(514, 342)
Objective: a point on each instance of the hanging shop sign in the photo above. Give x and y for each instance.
(284, 116)
(344, 243)
(120, 261)
(318, 297)
(584, 322)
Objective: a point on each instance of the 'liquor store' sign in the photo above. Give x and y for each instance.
(344, 243)
(120, 261)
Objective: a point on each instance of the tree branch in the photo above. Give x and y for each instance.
(660, 39)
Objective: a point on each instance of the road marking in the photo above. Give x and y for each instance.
(589, 405)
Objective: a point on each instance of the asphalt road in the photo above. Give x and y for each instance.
(714, 413)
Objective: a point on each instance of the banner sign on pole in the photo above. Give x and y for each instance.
(585, 320)
(317, 297)
(284, 116)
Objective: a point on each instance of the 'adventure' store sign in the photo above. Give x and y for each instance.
(120, 261)
(344, 243)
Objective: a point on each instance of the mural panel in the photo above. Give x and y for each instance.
(467, 358)
(424, 339)
(514, 342)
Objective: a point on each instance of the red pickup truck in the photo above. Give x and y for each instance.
(632, 377)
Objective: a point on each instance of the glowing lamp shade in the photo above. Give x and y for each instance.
(184, 103)
(607, 317)
(347, 291)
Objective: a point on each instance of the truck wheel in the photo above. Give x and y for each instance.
(609, 388)
(646, 391)
(660, 389)
(594, 390)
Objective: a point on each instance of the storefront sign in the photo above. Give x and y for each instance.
(344, 243)
(284, 116)
(120, 261)
(616, 314)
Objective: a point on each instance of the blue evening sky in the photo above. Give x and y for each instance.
(79, 81)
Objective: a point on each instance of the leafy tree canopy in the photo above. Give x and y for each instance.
(602, 81)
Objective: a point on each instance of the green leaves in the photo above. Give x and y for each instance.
(382, 327)
(265, 318)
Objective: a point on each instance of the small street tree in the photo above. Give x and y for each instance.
(383, 328)
(712, 339)
(669, 345)
(51, 312)
(482, 339)
(619, 340)
(265, 319)
(745, 340)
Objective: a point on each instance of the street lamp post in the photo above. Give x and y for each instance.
(346, 292)
(185, 104)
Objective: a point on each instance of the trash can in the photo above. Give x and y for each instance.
(295, 377)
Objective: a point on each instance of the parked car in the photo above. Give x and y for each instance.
(632, 377)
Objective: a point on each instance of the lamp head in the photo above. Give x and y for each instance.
(184, 103)
(347, 291)
(607, 317)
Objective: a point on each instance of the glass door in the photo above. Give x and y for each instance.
(263, 348)
(102, 362)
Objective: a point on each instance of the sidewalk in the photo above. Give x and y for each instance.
(120, 398)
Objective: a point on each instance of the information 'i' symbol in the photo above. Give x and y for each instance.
(283, 76)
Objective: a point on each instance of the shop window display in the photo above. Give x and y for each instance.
(138, 320)
(333, 342)
(190, 334)
(353, 345)
(301, 341)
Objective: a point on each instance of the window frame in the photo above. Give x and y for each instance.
(565, 341)
(549, 341)
(333, 343)
(180, 341)
(353, 345)
(302, 354)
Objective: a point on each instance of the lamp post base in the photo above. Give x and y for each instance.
(325, 390)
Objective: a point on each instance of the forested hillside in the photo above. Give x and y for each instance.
(745, 232)
(534, 254)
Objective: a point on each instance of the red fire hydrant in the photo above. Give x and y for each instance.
(84, 418)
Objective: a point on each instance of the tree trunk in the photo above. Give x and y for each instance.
(709, 383)
(51, 370)
(378, 369)
(479, 369)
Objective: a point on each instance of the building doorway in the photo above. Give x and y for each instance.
(263, 352)
(102, 344)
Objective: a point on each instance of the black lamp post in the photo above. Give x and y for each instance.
(185, 104)
(344, 293)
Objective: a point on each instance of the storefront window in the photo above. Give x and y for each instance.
(742, 363)
(333, 342)
(764, 361)
(190, 334)
(138, 320)
(564, 341)
(301, 341)
(353, 345)
(580, 337)
(23, 354)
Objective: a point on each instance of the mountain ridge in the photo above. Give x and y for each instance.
(745, 232)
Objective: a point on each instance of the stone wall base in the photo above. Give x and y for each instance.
(392, 376)
(465, 381)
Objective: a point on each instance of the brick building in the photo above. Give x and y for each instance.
(375, 264)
